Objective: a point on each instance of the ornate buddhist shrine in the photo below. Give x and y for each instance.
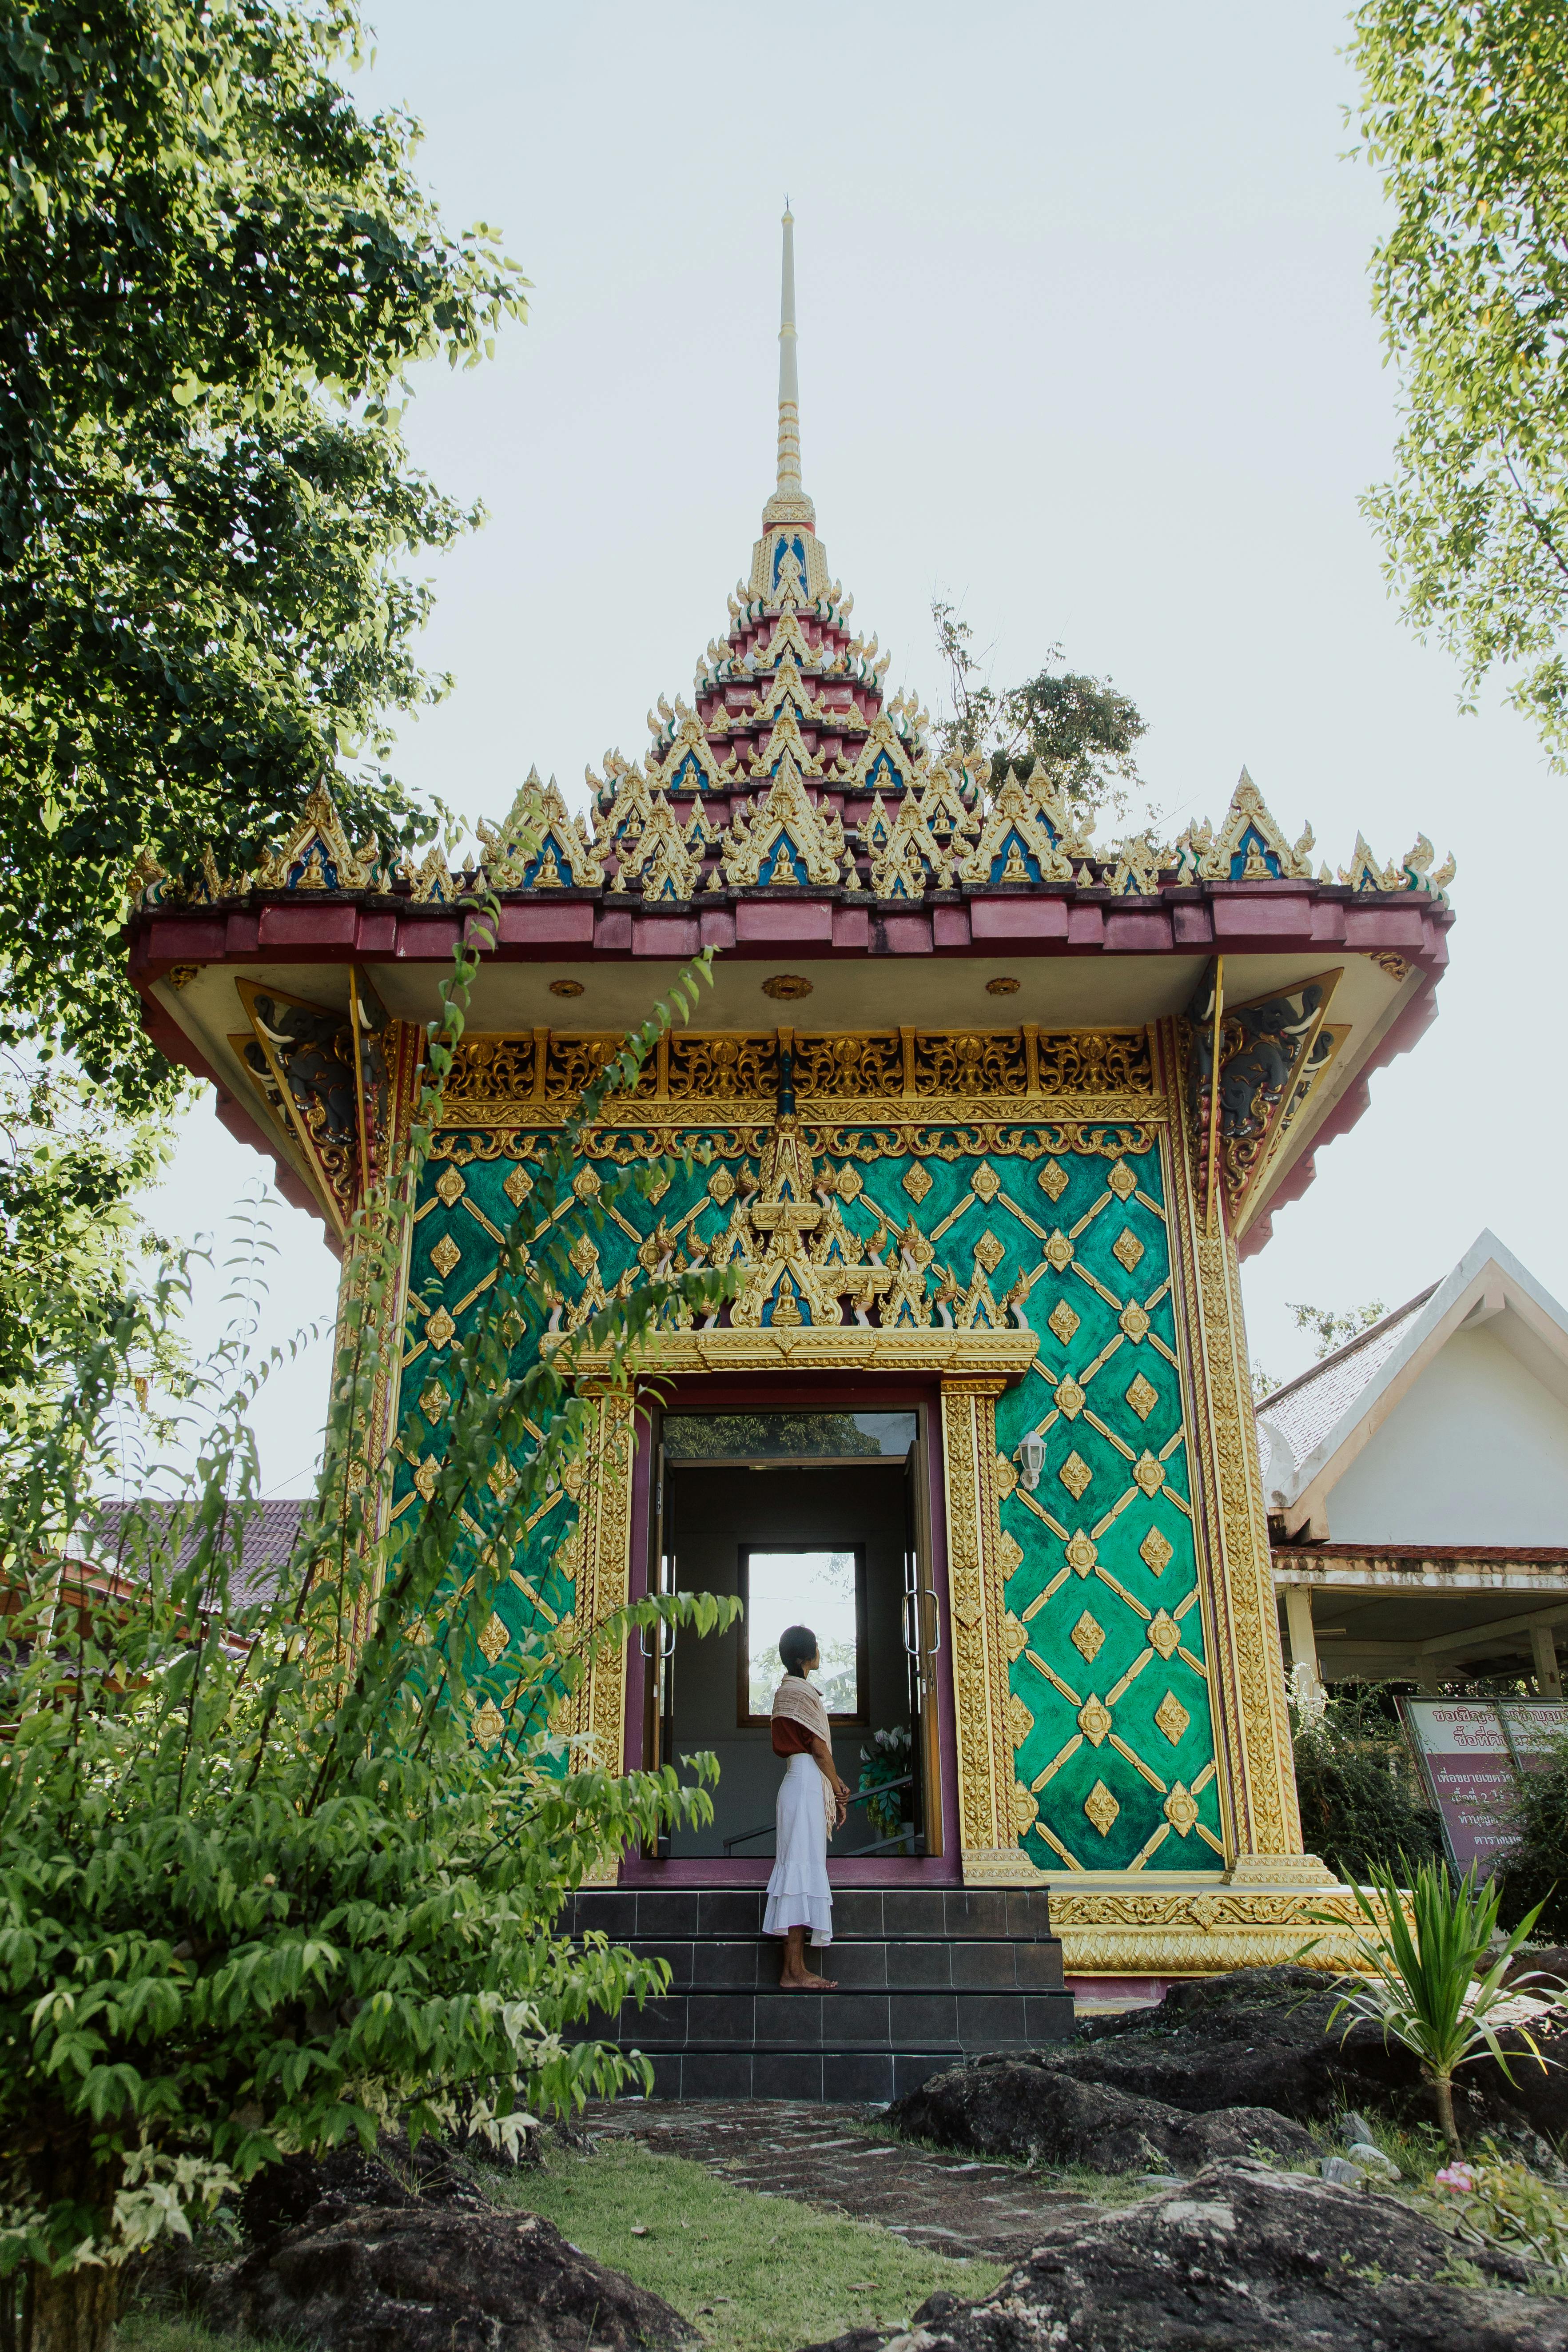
(983, 1114)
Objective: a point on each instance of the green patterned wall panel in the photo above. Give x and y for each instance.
(1060, 1230)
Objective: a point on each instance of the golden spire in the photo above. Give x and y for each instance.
(789, 502)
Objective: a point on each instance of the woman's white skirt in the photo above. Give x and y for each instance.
(798, 1892)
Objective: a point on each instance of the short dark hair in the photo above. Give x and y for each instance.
(797, 1647)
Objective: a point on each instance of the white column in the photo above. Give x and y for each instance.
(1543, 1656)
(1304, 1644)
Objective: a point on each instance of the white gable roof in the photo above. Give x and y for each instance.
(1312, 1429)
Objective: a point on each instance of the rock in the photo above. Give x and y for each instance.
(1341, 2172)
(402, 2252)
(1243, 2259)
(1263, 2037)
(1004, 2108)
(419, 2278)
(1355, 2131)
(1371, 2159)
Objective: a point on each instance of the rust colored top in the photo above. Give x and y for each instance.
(790, 1738)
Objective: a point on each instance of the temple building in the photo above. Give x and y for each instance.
(986, 1114)
(1416, 1482)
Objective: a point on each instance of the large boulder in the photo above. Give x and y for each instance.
(419, 2278)
(1265, 2038)
(1244, 2259)
(402, 2252)
(1023, 2111)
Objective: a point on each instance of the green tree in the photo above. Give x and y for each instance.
(1464, 110)
(260, 1890)
(76, 1256)
(1332, 1329)
(216, 271)
(1082, 730)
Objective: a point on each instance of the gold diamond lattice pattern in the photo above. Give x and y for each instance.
(1122, 1180)
(1180, 1809)
(1171, 1715)
(1058, 1252)
(1155, 1552)
(1083, 1552)
(1134, 1322)
(851, 1184)
(1009, 1553)
(1143, 1396)
(432, 1400)
(495, 1637)
(721, 1184)
(489, 1722)
(1062, 1321)
(1127, 1249)
(449, 1186)
(446, 1255)
(518, 1187)
(1087, 1638)
(1074, 1475)
(1020, 1722)
(1070, 1398)
(1163, 1633)
(1101, 1808)
(1094, 1720)
(439, 1329)
(990, 1252)
(1148, 1474)
(917, 1183)
(985, 1183)
(1053, 1180)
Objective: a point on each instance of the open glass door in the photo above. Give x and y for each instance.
(922, 1640)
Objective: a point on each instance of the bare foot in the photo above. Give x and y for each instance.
(808, 1984)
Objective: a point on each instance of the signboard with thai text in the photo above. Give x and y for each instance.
(1473, 1752)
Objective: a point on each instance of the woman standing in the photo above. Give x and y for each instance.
(813, 1802)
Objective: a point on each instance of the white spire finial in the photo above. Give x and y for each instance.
(789, 502)
(789, 381)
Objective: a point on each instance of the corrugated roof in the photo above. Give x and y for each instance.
(271, 1532)
(1303, 1412)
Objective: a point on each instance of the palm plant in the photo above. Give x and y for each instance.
(1420, 1977)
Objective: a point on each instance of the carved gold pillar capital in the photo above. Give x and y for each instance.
(596, 1716)
(989, 1800)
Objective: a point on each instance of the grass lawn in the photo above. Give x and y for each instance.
(756, 2274)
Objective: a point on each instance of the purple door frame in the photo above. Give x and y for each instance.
(841, 1392)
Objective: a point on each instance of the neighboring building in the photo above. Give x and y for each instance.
(1416, 1482)
(952, 1088)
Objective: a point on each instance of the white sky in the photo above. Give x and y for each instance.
(1085, 347)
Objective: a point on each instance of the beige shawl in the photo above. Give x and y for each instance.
(799, 1702)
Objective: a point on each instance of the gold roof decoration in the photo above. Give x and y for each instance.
(538, 847)
(1027, 835)
(1249, 846)
(1412, 873)
(791, 839)
(315, 856)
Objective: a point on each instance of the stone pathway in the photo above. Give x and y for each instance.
(950, 2203)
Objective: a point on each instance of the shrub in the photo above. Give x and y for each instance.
(1535, 1873)
(259, 1890)
(1362, 1803)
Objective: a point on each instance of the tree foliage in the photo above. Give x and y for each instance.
(76, 1256)
(260, 1890)
(216, 271)
(1362, 1801)
(1464, 110)
(1082, 730)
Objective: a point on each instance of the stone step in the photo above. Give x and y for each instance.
(956, 2022)
(908, 1964)
(874, 1914)
(857, 2077)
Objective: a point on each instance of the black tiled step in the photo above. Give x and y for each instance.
(899, 2021)
(873, 1914)
(857, 2076)
(981, 1964)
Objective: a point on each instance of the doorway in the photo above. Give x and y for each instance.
(814, 1518)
